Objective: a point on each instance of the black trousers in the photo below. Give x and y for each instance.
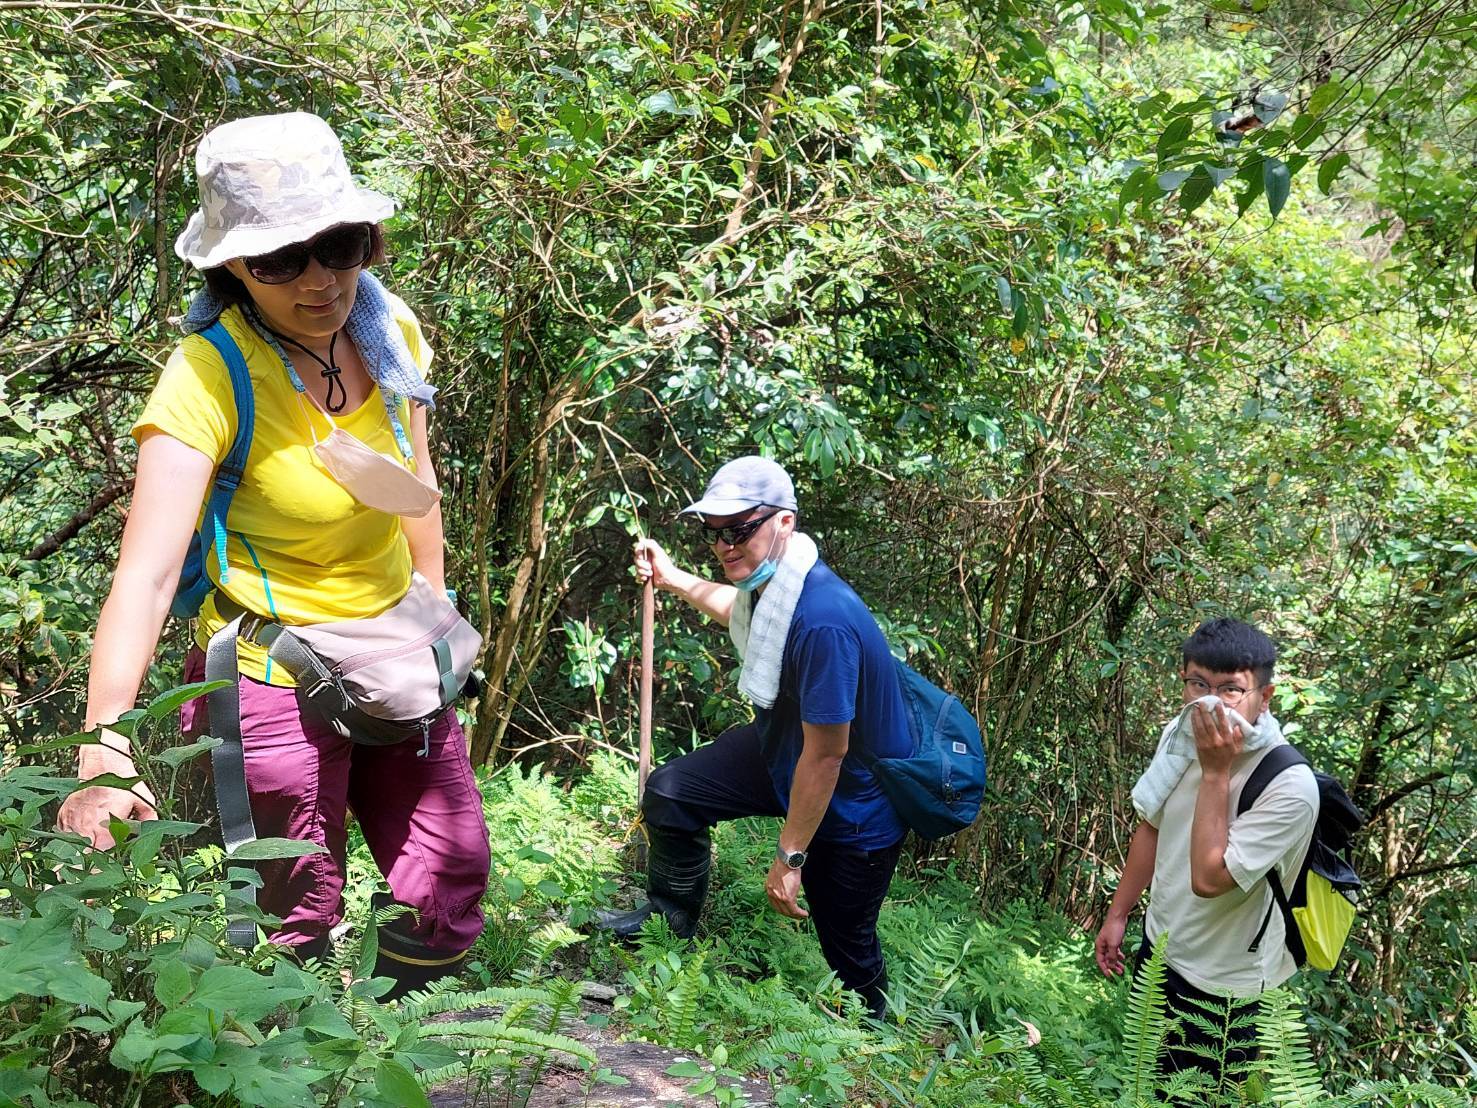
(844, 885)
(1180, 999)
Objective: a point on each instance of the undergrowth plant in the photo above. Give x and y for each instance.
(117, 987)
(1002, 1010)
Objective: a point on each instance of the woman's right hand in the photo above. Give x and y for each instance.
(88, 811)
(652, 562)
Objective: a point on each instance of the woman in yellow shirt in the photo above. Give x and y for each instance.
(283, 237)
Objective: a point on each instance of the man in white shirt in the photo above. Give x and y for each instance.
(1204, 866)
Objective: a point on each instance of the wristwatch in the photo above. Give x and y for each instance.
(792, 858)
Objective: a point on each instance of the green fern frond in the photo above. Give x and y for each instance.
(1068, 1074)
(773, 1051)
(490, 1035)
(563, 1002)
(682, 1001)
(922, 985)
(1185, 1087)
(432, 1001)
(502, 1063)
(1293, 1080)
(542, 944)
(1145, 1026)
(1404, 1095)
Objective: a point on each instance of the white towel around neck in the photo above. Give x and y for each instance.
(1177, 750)
(760, 628)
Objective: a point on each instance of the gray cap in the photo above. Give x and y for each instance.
(746, 483)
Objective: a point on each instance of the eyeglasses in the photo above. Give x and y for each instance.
(337, 248)
(736, 534)
(1229, 694)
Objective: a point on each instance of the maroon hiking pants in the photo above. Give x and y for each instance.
(421, 816)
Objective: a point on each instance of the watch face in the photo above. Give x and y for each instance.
(795, 860)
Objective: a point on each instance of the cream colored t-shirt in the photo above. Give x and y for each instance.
(1209, 937)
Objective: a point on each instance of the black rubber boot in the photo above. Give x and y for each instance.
(320, 948)
(676, 884)
(875, 994)
(410, 963)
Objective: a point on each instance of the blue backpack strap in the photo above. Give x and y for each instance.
(233, 466)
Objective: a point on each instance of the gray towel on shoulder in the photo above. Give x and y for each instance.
(372, 326)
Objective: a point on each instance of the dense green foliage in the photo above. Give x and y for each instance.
(1063, 352)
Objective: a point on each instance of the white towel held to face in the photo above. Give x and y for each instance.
(1177, 750)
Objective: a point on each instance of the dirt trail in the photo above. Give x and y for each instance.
(643, 1067)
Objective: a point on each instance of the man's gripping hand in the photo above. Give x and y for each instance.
(782, 886)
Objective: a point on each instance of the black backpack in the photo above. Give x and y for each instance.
(1319, 909)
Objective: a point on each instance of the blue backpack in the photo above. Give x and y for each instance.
(194, 582)
(938, 788)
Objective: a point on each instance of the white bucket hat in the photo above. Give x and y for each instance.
(268, 181)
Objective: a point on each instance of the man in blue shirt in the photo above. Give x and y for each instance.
(824, 685)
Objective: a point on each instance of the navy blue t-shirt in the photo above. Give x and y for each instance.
(837, 669)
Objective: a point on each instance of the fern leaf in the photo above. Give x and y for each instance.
(483, 1035)
(682, 1002)
(1145, 1027)
(1293, 1078)
(420, 1005)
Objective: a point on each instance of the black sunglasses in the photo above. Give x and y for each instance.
(736, 534)
(337, 248)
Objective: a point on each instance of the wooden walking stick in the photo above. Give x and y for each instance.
(643, 763)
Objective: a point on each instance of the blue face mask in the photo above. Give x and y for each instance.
(762, 573)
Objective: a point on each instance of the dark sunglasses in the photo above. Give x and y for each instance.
(338, 248)
(736, 534)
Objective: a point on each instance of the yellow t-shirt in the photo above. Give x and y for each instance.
(298, 546)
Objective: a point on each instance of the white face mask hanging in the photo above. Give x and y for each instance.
(376, 480)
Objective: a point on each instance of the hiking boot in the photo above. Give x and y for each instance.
(410, 963)
(676, 885)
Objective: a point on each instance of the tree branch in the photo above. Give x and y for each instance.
(813, 10)
(1385, 803)
(49, 546)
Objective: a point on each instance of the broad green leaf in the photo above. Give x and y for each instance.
(685, 1068)
(273, 849)
(1248, 196)
(1324, 97)
(983, 427)
(82, 738)
(140, 1044)
(1003, 293)
(247, 993)
(396, 1083)
(428, 1054)
(176, 756)
(1173, 136)
(1268, 105)
(37, 958)
(173, 984)
(1133, 186)
(665, 103)
(167, 703)
(1277, 181)
(1172, 179)
(1329, 171)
